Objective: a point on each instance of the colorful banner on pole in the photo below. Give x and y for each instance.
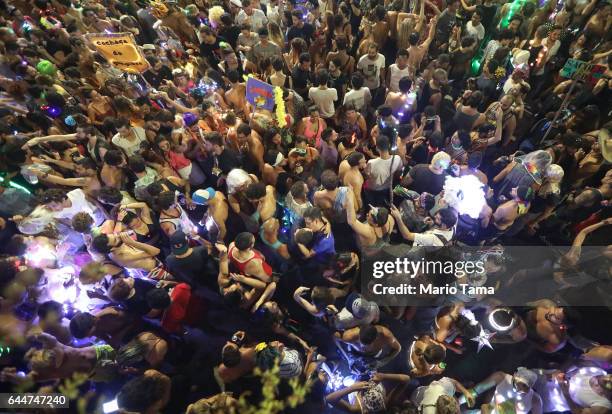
(260, 94)
(120, 50)
(582, 71)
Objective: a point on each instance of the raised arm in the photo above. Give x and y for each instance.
(432, 31)
(405, 232)
(145, 248)
(307, 306)
(351, 215)
(49, 138)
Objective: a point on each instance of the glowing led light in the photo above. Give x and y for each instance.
(495, 325)
(37, 254)
(465, 194)
(483, 339)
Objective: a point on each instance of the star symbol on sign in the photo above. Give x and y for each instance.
(483, 339)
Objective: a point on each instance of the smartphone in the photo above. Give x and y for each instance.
(110, 407)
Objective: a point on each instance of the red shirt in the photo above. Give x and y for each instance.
(185, 309)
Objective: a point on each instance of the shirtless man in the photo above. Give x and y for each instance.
(110, 324)
(377, 228)
(274, 165)
(403, 102)
(248, 261)
(332, 199)
(369, 345)
(112, 174)
(250, 145)
(58, 361)
(236, 95)
(505, 215)
(248, 293)
(353, 177)
(85, 170)
(218, 210)
(417, 51)
(237, 359)
(263, 199)
(129, 253)
(425, 357)
(238, 181)
(547, 325)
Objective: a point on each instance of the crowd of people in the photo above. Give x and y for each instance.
(164, 239)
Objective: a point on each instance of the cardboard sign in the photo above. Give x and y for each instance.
(260, 94)
(120, 50)
(582, 71)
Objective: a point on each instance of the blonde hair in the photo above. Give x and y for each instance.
(552, 180)
(276, 35)
(223, 403)
(403, 34)
(447, 405)
(441, 158)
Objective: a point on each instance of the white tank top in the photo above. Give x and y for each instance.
(396, 75)
(581, 391)
(507, 400)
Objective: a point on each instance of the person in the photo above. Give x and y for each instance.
(190, 265)
(380, 173)
(323, 243)
(247, 260)
(515, 391)
(301, 76)
(507, 213)
(148, 393)
(397, 71)
(584, 389)
(236, 95)
(372, 66)
(225, 158)
(547, 325)
(371, 346)
(127, 252)
(440, 396)
(359, 96)
(172, 216)
(264, 49)
(128, 138)
(322, 96)
(376, 231)
(255, 18)
(58, 361)
(474, 27)
(210, 48)
(353, 177)
(332, 199)
(180, 308)
(299, 28)
(371, 395)
(51, 321)
(312, 127)
(416, 50)
(428, 178)
(441, 235)
(216, 215)
(112, 324)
